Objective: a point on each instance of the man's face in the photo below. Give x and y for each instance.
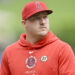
(37, 24)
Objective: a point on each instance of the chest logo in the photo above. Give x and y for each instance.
(31, 62)
(44, 58)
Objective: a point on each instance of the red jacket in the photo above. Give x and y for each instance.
(50, 56)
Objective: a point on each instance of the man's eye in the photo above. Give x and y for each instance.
(45, 17)
(32, 18)
(37, 17)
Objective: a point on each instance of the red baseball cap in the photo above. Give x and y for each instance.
(33, 8)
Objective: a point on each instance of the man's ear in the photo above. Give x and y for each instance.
(23, 22)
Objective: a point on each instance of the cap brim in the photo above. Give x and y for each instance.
(49, 11)
(33, 13)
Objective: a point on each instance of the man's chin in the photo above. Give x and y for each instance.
(43, 33)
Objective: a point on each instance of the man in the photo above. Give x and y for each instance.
(38, 51)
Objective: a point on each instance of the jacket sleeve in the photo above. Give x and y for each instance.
(5, 65)
(66, 61)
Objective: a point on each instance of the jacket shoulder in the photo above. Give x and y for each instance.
(11, 47)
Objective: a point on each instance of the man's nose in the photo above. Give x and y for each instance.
(42, 21)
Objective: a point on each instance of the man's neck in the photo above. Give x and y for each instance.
(33, 39)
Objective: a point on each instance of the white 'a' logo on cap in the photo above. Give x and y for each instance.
(38, 6)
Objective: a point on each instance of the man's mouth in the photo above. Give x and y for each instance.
(42, 27)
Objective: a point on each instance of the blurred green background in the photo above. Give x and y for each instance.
(62, 21)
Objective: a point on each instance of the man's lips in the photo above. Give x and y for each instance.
(43, 27)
